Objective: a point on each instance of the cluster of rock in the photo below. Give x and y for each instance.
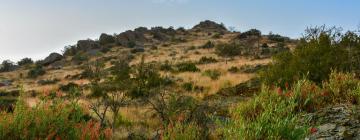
(336, 122)
(209, 26)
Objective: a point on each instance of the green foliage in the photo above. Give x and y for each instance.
(208, 45)
(68, 87)
(313, 58)
(25, 61)
(233, 69)
(80, 57)
(186, 67)
(50, 120)
(166, 66)
(213, 74)
(182, 131)
(207, 60)
(38, 70)
(187, 86)
(228, 50)
(7, 66)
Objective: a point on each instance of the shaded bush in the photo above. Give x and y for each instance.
(313, 58)
(208, 45)
(68, 87)
(233, 69)
(187, 86)
(213, 74)
(186, 67)
(50, 120)
(7, 66)
(207, 60)
(228, 50)
(38, 70)
(25, 61)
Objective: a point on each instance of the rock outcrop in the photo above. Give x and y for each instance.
(128, 37)
(209, 26)
(336, 122)
(53, 57)
(86, 45)
(105, 39)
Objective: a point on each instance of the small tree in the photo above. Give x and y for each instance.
(25, 61)
(7, 66)
(228, 50)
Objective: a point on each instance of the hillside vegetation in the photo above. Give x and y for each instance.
(199, 83)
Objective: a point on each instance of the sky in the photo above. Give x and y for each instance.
(35, 28)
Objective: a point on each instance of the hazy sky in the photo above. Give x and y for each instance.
(34, 28)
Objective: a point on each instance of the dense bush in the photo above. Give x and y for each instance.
(276, 112)
(38, 70)
(25, 61)
(228, 50)
(207, 60)
(208, 45)
(7, 66)
(233, 69)
(186, 67)
(50, 120)
(213, 74)
(313, 58)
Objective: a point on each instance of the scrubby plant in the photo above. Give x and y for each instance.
(207, 60)
(7, 66)
(186, 67)
(54, 119)
(233, 69)
(315, 57)
(182, 131)
(213, 74)
(38, 70)
(188, 86)
(25, 61)
(228, 50)
(166, 66)
(208, 45)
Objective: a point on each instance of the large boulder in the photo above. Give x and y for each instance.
(209, 26)
(85, 45)
(53, 57)
(105, 39)
(128, 37)
(163, 34)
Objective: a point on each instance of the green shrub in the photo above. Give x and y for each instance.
(166, 66)
(207, 60)
(213, 74)
(38, 70)
(228, 50)
(208, 45)
(187, 86)
(186, 67)
(314, 59)
(7, 66)
(80, 57)
(182, 131)
(233, 69)
(25, 61)
(50, 120)
(68, 87)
